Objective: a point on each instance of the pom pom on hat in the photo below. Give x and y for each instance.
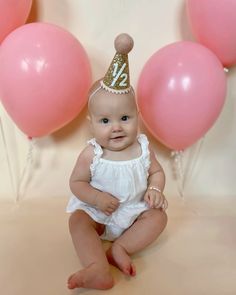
(117, 79)
(123, 43)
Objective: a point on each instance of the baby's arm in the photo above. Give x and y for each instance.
(156, 182)
(81, 188)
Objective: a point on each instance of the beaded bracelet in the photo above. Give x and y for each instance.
(155, 189)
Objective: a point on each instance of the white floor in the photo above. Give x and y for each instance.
(196, 255)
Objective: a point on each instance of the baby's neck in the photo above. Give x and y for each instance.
(131, 152)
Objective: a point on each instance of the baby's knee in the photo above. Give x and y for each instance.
(158, 216)
(79, 219)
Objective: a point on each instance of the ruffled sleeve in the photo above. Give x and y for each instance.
(142, 138)
(97, 154)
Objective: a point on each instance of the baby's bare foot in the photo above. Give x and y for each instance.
(92, 277)
(118, 257)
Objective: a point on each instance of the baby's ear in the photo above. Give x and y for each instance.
(89, 120)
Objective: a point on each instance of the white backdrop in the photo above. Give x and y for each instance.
(208, 166)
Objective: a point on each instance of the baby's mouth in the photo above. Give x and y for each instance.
(118, 137)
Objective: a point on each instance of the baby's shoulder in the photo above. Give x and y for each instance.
(87, 154)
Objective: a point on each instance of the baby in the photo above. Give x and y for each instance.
(117, 182)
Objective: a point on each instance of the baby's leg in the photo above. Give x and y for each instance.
(143, 232)
(85, 235)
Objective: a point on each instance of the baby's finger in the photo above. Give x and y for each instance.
(149, 199)
(164, 205)
(153, 202)
(159, 202)
(111, 208)
(115, 204)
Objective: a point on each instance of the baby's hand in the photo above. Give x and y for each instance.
(155, 199)
(106, 203)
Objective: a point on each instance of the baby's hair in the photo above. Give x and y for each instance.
(96, 87)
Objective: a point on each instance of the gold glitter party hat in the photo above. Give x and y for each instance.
(117, 79)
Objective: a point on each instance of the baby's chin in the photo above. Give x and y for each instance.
(119, 145)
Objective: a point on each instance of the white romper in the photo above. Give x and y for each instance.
(125, 180)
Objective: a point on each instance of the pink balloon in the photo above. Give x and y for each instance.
(213, 24)
(44, 77)
(181, 92)
(13, 13)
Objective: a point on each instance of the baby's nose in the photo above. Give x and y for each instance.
(116, 127)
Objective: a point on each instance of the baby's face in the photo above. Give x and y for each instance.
(114, 119)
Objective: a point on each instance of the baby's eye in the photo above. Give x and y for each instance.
(104, 120)
(125, 118)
